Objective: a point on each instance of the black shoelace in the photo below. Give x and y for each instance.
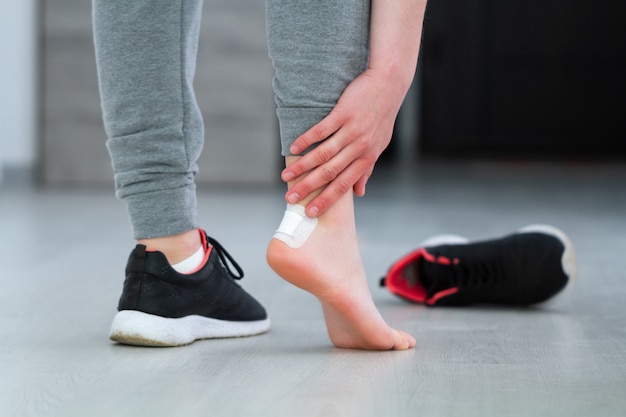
(226, 259)
(463, 275)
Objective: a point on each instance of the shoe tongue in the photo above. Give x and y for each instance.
(435, 277)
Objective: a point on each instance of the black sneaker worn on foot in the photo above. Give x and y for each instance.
(161, 307)
(527, 267)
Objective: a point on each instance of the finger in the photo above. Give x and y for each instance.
(319, 177)
(322, 130)
(334, 191)
(321, 155)
(359, 187)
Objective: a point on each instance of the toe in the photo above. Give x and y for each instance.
(403, 341)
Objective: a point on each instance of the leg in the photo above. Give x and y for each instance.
(317, 49)
(146, 54)
(329, 266)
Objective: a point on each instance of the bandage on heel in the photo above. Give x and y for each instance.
(296, 226)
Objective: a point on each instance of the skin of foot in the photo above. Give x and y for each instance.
(176, 248)
(329, 266)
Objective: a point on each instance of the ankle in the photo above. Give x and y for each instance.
(176, 248)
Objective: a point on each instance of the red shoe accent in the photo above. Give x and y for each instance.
(441, 294)
(207, 252)
(442, 260)
(398, 284)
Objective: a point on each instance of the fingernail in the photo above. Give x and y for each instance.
(294, 149)
(313, 211)
(288, 176)
(293, 198)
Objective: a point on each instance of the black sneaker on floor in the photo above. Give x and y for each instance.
(160, 307)
(524, 268)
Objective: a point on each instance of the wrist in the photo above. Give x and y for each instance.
(396, 75)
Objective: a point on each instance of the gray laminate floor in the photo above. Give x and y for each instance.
(62, 253)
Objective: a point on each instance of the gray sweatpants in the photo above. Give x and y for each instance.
(146, 57)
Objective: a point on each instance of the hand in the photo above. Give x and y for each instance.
(353, 136)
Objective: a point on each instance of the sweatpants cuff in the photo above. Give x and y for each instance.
(163, 213)
(294, 121)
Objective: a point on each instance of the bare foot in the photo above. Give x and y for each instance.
(329, 266)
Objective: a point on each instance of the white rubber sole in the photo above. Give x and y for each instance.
(444, 240)
(568, 260)
(141, 329)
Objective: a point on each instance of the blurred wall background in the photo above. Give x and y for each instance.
(516, 79)
(18, 85)
(233, 88)
(524, 78)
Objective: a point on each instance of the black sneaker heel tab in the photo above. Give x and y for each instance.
(138, 259)
(226, 259)
(140, 251)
